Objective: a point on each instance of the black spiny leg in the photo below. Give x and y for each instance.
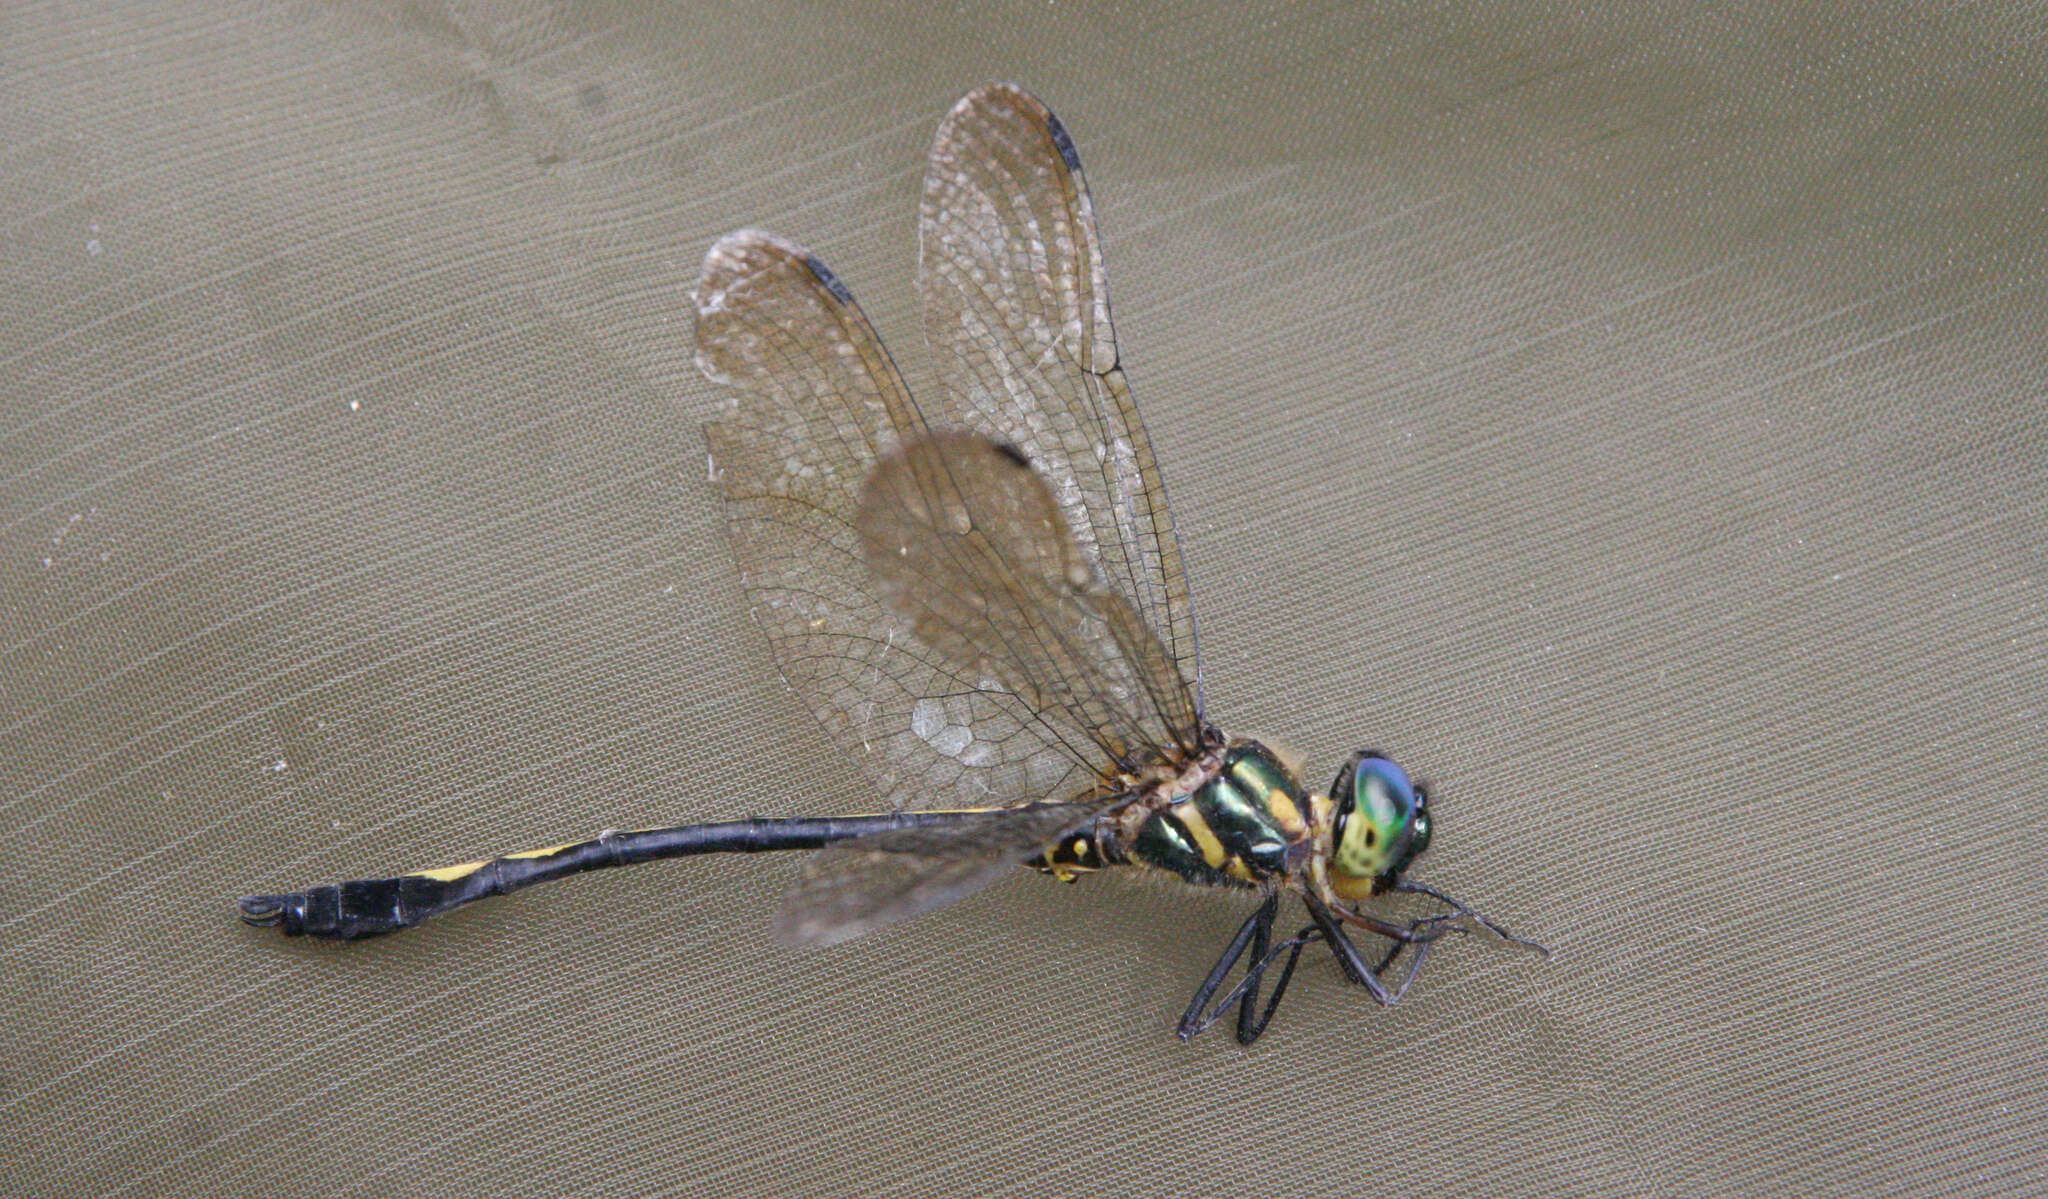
(1248, 1002)
(1255, 934)
(1354, 965)
(1259, 928)
(1423, 931)
(1248, 1030)
(1460, 909)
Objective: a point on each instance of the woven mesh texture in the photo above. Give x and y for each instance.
(1631, 418)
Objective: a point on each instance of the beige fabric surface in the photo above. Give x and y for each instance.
(1630, 417)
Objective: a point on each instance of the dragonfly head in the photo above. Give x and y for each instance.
(1380, 824)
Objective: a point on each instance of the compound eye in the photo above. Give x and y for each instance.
(1343, 789)
(1418, 836)
(1378, 818)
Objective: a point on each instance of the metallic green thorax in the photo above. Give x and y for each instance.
(1238, 829)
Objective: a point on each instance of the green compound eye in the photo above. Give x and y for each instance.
(1381, 823)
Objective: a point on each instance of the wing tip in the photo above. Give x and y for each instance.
(743, 241)
(1062, 141)
(744, 253)
(826, 279)
(1009, 97)
(729, 260)
(747, 244)
(997, 92)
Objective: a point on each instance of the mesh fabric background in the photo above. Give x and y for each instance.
(1631, 418)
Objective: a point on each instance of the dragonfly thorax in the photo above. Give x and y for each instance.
(1242, 821)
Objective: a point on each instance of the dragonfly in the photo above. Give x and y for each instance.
(982, 600)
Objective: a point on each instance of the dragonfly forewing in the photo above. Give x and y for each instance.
(816, 404)
(1016, 311)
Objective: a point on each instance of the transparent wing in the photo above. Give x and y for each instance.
(816, 405)
(861, 885)
(1016, 310)
(966, 542)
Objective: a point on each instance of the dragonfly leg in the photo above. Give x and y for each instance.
(1354, 966)
(1407, 936)
(1256, 935)
(1460, 909)
(1259, 928)
(1420, 932)
(1248, 1001)
(1248, 1030)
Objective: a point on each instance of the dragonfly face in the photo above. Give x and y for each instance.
(1381, 825)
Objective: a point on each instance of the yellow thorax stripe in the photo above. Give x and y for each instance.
(1204, 837)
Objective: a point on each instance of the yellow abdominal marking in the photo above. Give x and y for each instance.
(448, 874)
(1067, 872)
(542, 853)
